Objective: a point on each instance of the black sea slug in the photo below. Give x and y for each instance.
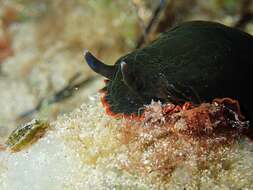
(193, 62)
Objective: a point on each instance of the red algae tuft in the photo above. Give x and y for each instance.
(5, 49)
(166, 139)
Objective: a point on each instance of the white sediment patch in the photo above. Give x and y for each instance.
(84, 150)
(80, 152)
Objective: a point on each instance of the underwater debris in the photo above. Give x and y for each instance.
(26, 134)
(148, 28)
(61, 95)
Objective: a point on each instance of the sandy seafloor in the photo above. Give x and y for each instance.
(85, 149)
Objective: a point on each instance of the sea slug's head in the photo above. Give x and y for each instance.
(129, 87)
